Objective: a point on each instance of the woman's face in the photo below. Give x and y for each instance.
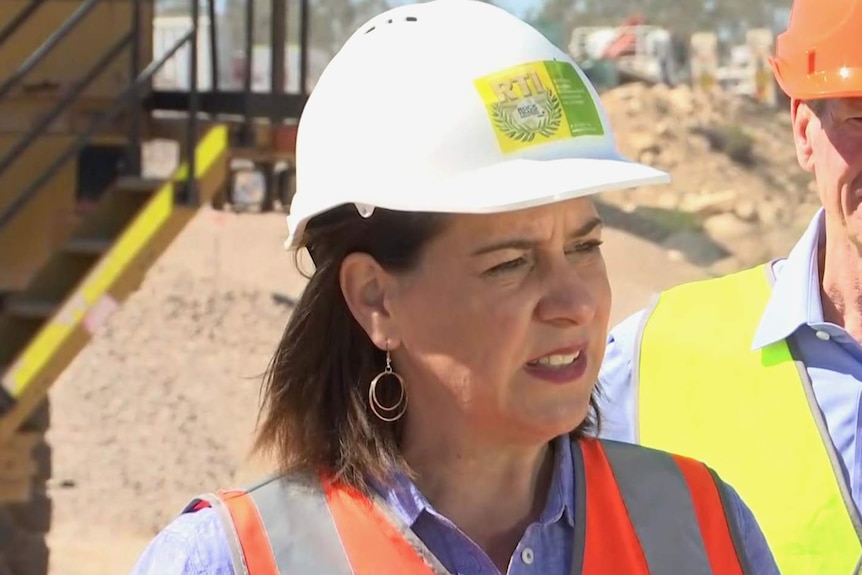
(501, 327)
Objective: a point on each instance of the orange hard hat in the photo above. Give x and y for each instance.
(820, 53)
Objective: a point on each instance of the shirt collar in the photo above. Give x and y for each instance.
(405, 499)
(561, 496)
(795, 298)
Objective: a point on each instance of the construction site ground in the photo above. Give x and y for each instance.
(162, 403)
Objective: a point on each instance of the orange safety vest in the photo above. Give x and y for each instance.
(639, 511)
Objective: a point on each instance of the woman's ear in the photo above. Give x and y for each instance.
(363, 284)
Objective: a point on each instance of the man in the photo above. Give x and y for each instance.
(759, 373)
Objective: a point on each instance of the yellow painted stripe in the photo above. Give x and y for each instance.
(43, 346)
(207, 151)
(134, 239)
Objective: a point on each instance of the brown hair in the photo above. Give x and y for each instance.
(315, 413)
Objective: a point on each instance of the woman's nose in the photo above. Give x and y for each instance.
(569, 296)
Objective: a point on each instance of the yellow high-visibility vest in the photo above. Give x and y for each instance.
(750, 415)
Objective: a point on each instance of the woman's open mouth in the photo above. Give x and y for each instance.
(560, 366)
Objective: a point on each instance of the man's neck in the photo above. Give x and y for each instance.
(492, 495)
(841, 283)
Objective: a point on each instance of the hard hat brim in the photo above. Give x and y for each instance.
(504, 187)
(845, 82)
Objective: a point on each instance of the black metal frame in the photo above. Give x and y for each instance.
(41, 126)
(140, 84)
(257, 105)
(277, 105)
(49, 44)
(127, 96)
(19, 19)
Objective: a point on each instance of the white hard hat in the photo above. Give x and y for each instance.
(453, 106)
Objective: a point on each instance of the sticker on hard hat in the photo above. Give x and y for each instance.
(537, 103)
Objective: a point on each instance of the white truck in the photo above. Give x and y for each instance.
(634, 52)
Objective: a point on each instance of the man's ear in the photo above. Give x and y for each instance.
(803, 118)
(363, 284)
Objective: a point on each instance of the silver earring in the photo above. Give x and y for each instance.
(383, 412)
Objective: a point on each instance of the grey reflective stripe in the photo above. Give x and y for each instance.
(302, 532)
(299, 527)
(834, 459)
(579, 543)
(730, 516)
(418, 546)
(659, 504)
(238, 559)
(636, 366)
(819, 420)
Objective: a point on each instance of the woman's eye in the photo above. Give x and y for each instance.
(582, 248)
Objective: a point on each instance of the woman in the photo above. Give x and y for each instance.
(431, 397)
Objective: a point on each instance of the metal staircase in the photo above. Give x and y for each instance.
(50, 317)
(80, 222)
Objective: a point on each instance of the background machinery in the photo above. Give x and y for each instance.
(634, 51)
(84, 214)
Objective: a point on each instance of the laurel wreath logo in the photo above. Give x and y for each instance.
(512, 128)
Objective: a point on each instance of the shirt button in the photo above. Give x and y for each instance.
(822, 335)
(527, 556)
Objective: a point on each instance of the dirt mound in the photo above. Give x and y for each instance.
(734, 169)
(162, 403)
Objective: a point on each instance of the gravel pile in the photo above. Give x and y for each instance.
(162, 403)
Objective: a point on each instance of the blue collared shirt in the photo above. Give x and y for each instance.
(831, 356)
(195, 544)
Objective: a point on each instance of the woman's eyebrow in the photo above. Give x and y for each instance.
(525, 243)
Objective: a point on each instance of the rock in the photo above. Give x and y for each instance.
(725, 266)
(648, 157)
(709, 204)
(663, 130)
(642, 142)
(669, 127)
(768, 213)
(728, 227)
(783, 182)
(749, 250)
(746, 210)
(668, 159)
(668, 201)
(682, 100)
(675, 255)
(694, 247)
(698, 144)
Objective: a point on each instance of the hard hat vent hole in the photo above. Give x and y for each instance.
(391, 21)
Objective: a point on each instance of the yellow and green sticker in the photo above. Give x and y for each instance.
(537, 103)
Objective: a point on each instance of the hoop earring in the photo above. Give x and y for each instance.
(385, 413)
